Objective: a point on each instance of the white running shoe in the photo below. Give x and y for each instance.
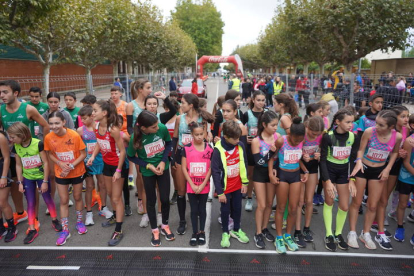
(249, 205)
(89, 219)
(140, 207)
(144, 221)
(367, 240)
(353, 239)
(105, 213)
(70, 203)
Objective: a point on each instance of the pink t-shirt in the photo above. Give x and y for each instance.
(198, 164)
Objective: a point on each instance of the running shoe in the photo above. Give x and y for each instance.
(273, 226)
(367, 240)
(182, 227)
(144, 221)
(364, 200)
(70, 204)
(11, 234)
(321, 200)
(299, 239)
(70, 189)
(315, 200)
(280, 246)
(36, 226)
(140, 207)
(393, 215)
(225, 240)
(240, 236)
(169, 236)
(399, 234)
(201, 238)
(249, 205)
(374, 228)
(284, 224)
(89, 219)
(155, 238)
(105, 213)
(267, 235)
(63, 236)
(131, 183)
(83, 187)
(412, 240)
(174, 198)
(128, 211)
(116, 238)
(272, 216)
(383, 241)
(81, 228)
(410, 217)
(231, 224)
(330, 243)
(109, 222)
(289, 243)
(259, 242)
(3, 231)
(194, 240)
(159, 219)
(341, 242)
(19, 218)
(31, 236)
(307, 235)
(353, 240)
(56, 225)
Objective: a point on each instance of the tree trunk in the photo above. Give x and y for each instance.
(46, 81)
(114, 64)
(89, 83)
(321, 69)
(305, 69)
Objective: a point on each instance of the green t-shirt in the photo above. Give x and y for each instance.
(31, 161)
(20, 115)
(73, 113)
(41, 107)
(153, 146)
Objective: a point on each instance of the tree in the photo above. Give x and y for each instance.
(203, 23)
(250, 56)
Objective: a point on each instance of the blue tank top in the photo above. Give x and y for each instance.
(289, 156)
(265, 148)
(137, 111)
(251, 124)
(89, 138)
(377, 151)
(280, 129)
(184, 134)
(405, 176)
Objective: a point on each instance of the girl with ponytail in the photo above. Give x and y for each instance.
(287, 109)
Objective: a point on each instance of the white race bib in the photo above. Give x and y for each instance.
(341, 153)
(377, 155)
(253, 131)
(186, 138)
(292, 156)
(310, 149)
(36, 130)
(153, 148)
(198, 169)
(90, 147)
(31, 162)
(104, 145)
(65, 156)
(233, 170)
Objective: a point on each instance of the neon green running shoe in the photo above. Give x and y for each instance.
(225, 240)
(280, 246)
(240, 236)
(290, 244)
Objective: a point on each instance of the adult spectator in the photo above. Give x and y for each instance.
(390, 94)
(172, 84)
(118, 82)
(292, 85)
(402, 88)
(194, 87)
(235, 83)
(247, 89)
(269, 92)
(302, 88)
(278, 86)
(338, 76)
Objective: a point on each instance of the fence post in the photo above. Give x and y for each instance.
(351, 92)
(91, 84)
(128, 92)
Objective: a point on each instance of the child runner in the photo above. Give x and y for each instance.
(35, 94)
(338, 152)
(195, 163)
(67, 151)
(376, 103)
(70, 101)
(10, 232)
(378, 144)
(262, 149)
(32, 173)
(152, 144)
(110, 144)
(326, 110)
(229, 171)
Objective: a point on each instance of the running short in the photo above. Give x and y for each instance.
(289, 177)
(395, 170)
(312, 166)
(250, 158)
(94, 169)
(261, 174)
(338, 173)
(178, 155)
(404, 188)
(109, 170)
(370, 173)
(13, 167)
(68, 181)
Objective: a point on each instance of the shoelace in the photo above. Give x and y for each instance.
(115, 235)
(167, 230)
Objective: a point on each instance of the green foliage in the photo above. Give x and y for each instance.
(409, 53)
(250, 56)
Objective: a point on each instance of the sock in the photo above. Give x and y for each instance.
(327, 218)
(249, 197)
(286, 236)
(306, 228)
(130, 176)
(381, 233)
(279, 237)
(65, 226)
(400, 226)
(78, 216)
(118, 227)
(340, 221)
(103, 206)
(10, 223)
(297, 232)
(89, 211)
(114, 212)
(181, 207)
(375, 223)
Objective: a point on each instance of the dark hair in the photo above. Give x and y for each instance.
(265, 118)
(14, 85)
(315, 123)
(120, 119)
(340, 115)
(150, 97)
(297, 128)
(144, 119)
(375, 96)
(410, 119)
(116, 88)
(56, 114)
(362, 111)
(218, 104)
(85, 111)
(311, 108)
(389, 116)
(289, 102)
(193, 99)
(53, 95)
(89, 99)
(194, 125)
(231, 95)
(112, 113)
(255, 94)
(195, 80)
(70, 94)
(174, 103)
(352, 109)
(173, 94)
(136, 85)
(398, 109)
(35, 89)
(231, 129)
(203, 102)
(232, 104)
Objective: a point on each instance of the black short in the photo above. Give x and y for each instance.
(13, 167)
(178, 155)
(68, 181)
(338, 173)
(370, 173)
(404, 188)
(312, 166)
(109, 170)
(261, 174)
(250, 158)
(289, 177)
(395, 170)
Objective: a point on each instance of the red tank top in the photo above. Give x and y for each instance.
(234, 182)
(110, 152)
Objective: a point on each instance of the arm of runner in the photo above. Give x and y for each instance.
(34, 115)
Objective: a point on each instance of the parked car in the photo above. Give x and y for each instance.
(185, 88)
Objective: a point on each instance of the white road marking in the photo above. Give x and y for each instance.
(218, 85)
(45, 267)
(204, 248)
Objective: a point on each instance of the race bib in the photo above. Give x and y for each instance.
(153, 148)
(104, 145)
(253, 131)
(186, 138)
(377, 155)
(65, 156)
(198, 169)
(310, 150)
(341, 153)
(292, 156)
(90, 147)
(36, 130)
(31, 162)
(233, 170)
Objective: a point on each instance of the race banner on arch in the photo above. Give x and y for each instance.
(236, 60)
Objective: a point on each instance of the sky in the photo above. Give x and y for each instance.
(243, 19)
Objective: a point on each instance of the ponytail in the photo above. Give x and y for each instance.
(145, 119)
(112, 113)
(340, 115)
(193, 99)
(289, 104)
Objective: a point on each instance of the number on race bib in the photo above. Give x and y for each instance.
(31, 162)
(253, 131)
(233, 171)
(65, 156)
(377, 155)
(153, 148)
(186, 138)
(90, 147)
(198, 169)
(104, 145)
(292, 156)
(341, 153)
(36, 130)
(310, 150)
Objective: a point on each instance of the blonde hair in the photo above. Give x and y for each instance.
(20, 130)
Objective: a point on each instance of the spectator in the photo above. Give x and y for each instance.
(269, 92)
(390, 94)
(247, 90)
(292, 85)
(172, 85)
(402, 88)
(302, 88)
(194, 87)
(118, 82)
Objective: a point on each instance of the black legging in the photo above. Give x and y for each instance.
(269, 99)
(150, 185)
(125, 189)
(305, 97)
(198, 209)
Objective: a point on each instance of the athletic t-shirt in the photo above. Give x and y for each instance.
(152, 150)
(31, 161)
(20, 115)
(41, 107)
(73, 112)
(121, 109)
(66, 148)
(234, 182)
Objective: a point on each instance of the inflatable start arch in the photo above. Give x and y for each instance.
(220, 59)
